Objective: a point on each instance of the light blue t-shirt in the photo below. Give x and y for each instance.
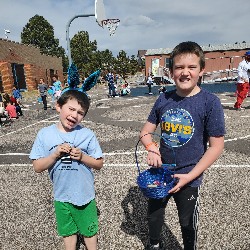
(57, 85)
(73, 181)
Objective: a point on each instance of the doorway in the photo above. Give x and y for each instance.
(18, 76)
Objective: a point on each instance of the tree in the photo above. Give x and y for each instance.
(133, 65)
(103, 60)
(122, 64)
(40, 33)
(82, 51)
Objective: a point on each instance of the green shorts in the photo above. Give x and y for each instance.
(73, 219)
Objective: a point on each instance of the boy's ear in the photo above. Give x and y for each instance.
(201, 72)
(58, 108)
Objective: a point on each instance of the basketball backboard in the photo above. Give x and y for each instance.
(100, 14)
(101, 19)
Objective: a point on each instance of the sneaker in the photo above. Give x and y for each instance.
(155, 247)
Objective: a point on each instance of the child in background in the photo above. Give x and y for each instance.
(42, 90)
(243, 81)
(69, 152)
(189, 117)
(52, 92)
(16, 104)
(17, 95)
(2, 111)
(11, 109)
(58, 86)
(6, 99)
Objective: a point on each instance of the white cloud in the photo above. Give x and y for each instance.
(138, 20)
(145, 24)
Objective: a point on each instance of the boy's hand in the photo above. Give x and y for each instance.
(76, 154)
(62, 149)
(154, 158)
(183, 179)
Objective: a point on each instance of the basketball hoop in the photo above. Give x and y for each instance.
(111, 24)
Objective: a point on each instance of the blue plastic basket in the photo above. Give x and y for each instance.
(156, 182)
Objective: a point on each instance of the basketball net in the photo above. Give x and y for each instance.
(111, 24)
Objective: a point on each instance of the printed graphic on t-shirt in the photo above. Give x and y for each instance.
(67, 163)
(66, 159)
(177, 127)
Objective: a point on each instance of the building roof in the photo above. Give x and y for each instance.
(206, 48)
(141, 52)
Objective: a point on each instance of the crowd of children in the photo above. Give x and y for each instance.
(113, 86)
(10, 106)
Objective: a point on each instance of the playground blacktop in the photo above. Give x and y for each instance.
(27, 214)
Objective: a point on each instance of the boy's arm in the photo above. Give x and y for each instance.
(92, 162)
(154, 156)
(216, 145)
(45, 163)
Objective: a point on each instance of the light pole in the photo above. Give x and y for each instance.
(6, 32)
(67, 34)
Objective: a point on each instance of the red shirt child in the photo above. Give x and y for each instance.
(11, 109)
(13, 100)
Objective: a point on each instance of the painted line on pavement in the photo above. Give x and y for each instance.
(107, 154)
(14, 154)
(240, 138)
(27, 126)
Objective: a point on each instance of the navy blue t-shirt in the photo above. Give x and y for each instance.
(186, 124)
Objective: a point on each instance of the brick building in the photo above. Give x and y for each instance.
(221, 61)
(22, 65)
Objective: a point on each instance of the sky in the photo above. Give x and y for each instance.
(144, 24)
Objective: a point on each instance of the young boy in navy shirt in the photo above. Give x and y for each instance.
(190, 118)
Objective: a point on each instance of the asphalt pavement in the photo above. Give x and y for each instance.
(27, 218)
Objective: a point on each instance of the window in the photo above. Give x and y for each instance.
(167, 63)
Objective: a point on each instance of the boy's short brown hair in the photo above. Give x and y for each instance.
(56, 76)
(81, 98)
(187, 48)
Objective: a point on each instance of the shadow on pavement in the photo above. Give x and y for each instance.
(135, 223)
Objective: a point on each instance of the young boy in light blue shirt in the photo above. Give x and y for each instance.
(69, 152)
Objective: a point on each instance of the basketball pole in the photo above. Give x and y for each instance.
(67, 34)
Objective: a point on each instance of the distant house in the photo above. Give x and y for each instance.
(141, 56)
(221, 61)
(22, 65)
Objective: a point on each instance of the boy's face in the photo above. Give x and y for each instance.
(247, 58)
(70, 115)
(186, 74)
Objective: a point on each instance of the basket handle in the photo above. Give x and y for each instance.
(163, 165)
